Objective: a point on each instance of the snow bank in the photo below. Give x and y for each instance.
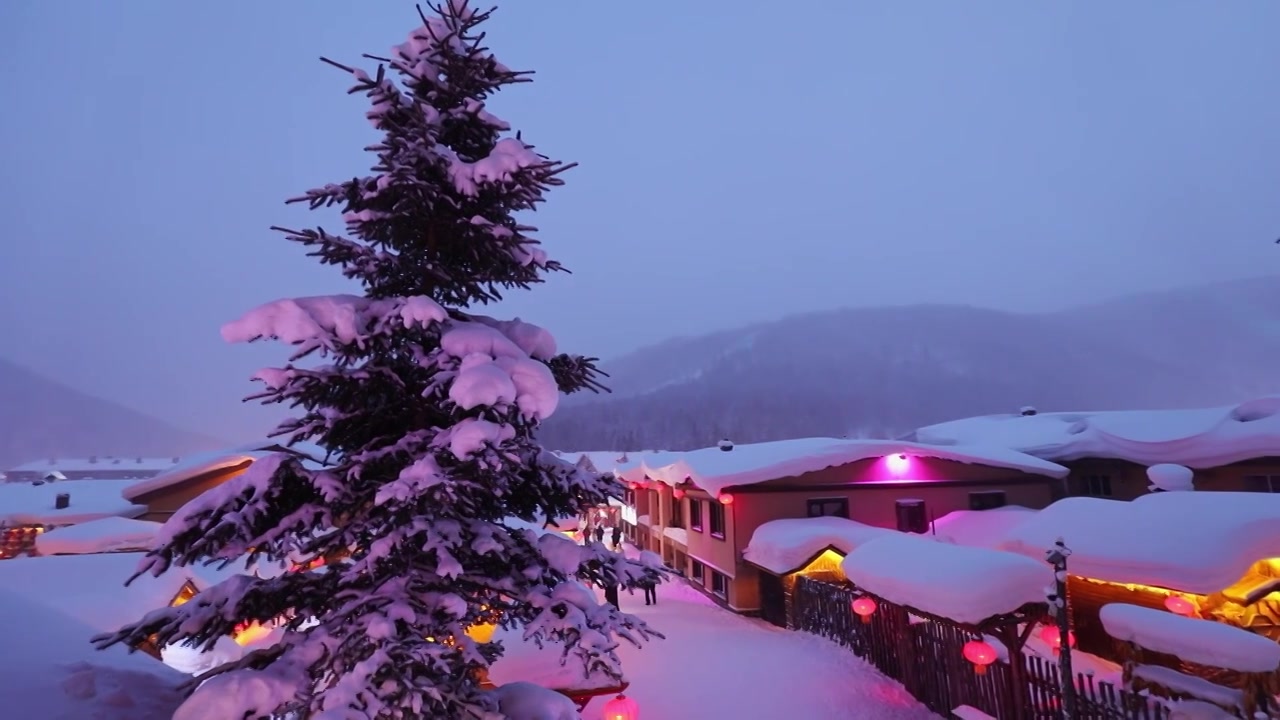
(524, 661)
(91, 590)
(80, 466)
(713, 469)
(528, 701)
(1193, 542)
(981, 528)
(965, 584)
(1203, 642)
(27, 504)
(49, 670)
(784, 546)
(1200, 438)
(109, 534)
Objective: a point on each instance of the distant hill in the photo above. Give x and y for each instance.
(40, 418)
(885, 371)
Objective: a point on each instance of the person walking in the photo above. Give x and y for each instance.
(651, 593)
(611, 595)
(617, 537)
(600, 533)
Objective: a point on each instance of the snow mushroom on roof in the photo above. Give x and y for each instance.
(784, 546)
(713, 470)
(1197, 438)
(1191, 542)
(964, 584)
(1203, 642)
(28, 504)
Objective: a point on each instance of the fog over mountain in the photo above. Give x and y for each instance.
(885, 371)
(40, 418)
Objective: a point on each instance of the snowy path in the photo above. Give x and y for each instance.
(715, 664)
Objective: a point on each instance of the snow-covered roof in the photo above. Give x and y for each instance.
(50, 670)
(82, 465)
(713, 469)
(91, 589)
(784, 546)
(29, 504)
(523, 661)
(1199, 542)
(981, 528)
(1199, 438)
(192, 467)
(1203, 642)
(109, 534)
(965, 584)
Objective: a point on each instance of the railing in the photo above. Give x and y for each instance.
(926, 656)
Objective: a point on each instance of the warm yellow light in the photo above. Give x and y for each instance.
(187, 592)
(481, 633)
(251, 633)
(827, 562)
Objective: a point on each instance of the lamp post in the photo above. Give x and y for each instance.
(1057, 557)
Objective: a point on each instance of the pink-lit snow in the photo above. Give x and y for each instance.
(980, 528)
(966, 584)
(718, 664)
(782, 546)
(109, 534)
(1199, 641)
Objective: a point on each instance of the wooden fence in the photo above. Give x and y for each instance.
(926, 656)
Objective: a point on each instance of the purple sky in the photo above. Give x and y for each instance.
(740, 161)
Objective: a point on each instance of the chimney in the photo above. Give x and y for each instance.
(93, 458)
(725, 445)
(62, 501)
(1027, 411)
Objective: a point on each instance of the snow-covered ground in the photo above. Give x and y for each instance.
(715, 664)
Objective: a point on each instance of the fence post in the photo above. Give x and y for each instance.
(1057, 595)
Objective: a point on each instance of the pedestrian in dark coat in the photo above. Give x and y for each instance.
(611, 595)
(599, 533)
(617, 537)
(650, 593)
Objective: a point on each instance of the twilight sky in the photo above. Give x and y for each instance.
(739, 161)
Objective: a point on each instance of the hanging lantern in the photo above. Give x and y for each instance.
(1052, 637)
(621, 708)
(481, 633)
(677, 493)
(1179, 605)
(725, 499)
(864, 607)
(980, 654)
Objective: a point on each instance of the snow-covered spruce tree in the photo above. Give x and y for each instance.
(428, 411)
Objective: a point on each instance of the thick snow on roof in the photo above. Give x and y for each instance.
(1199, 438)
(523, 661)
(783, 546)
(713, 469)
(981, 528)
(1194, 542)
(109, 534)
(91, 589)
(192, 467)
(965, 584)
(80, 465)
(28, 504)
(49, 670)
(1198, 641)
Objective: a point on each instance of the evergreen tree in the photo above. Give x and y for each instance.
(428, 412)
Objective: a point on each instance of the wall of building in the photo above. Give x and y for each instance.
(1241, 476)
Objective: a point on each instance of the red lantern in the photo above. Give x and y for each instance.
(621, 708)
(864, 607)
(1052, 637)
(1179, 605)
(725, 499)
(980, 654)
(677, 493)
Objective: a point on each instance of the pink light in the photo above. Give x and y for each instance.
(1179, 605)
(725, 499)
(898, 464)
(678, 493)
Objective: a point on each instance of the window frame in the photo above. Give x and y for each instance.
(695, 515)
(975, 496)
(717, 510)
(841, 502)
(1104, 486)
(723, 581)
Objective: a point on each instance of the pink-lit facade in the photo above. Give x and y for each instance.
(704, 538)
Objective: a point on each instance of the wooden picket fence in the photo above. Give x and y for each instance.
(926, 657)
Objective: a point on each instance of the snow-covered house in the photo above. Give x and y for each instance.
(1213, 555)
(699, 509)
(1229, 448)
(95, 468)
